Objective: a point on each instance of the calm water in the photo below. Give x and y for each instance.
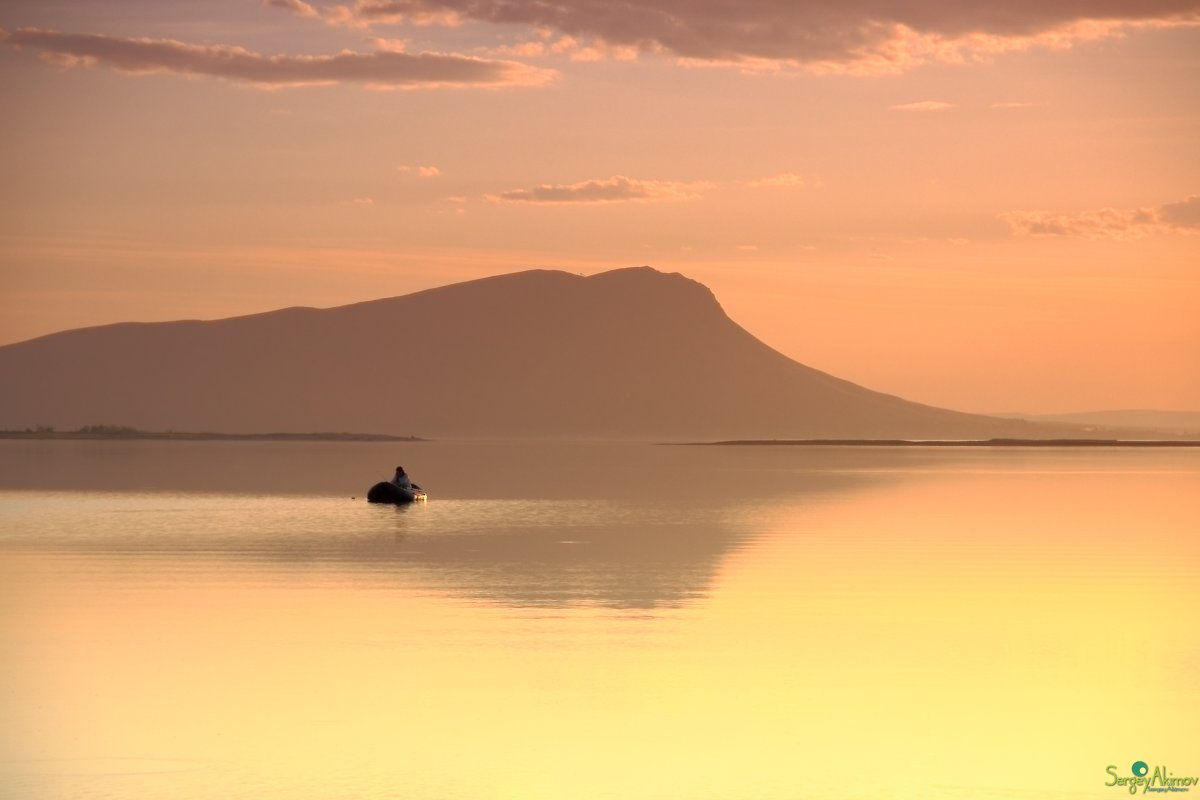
(229, 620)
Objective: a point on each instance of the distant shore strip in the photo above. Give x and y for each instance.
(953, 443)
(112, 433)
(128, 434)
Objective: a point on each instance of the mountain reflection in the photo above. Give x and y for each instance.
(540, 525)
(629, 561)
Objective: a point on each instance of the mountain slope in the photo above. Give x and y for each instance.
(631, 352)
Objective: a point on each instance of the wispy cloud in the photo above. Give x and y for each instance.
(617, 189)
(1110, 223)
(390, 44)
(365, 13)
(784, 180)
(455, 204)
(297, 6)
(429, 171)
(1184, 214)
(923, 105)
(854, 36)
(379, 69)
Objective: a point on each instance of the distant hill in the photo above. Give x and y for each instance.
(628, 353)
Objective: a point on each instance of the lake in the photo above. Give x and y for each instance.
(593, 620)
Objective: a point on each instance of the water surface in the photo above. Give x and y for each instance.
(593, 620)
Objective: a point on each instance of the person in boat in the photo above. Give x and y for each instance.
(401, 479)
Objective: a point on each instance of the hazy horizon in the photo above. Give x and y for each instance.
(969, 205)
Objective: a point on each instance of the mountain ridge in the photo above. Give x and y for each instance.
(631, 352)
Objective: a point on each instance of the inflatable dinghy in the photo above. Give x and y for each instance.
(387, 492)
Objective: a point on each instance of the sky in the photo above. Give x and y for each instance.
(987, 206)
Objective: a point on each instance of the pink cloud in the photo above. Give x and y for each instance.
(923, 105)
(856, 36)
(784, 180)
(1184, 214)
(617, 189)
(296, 6)
(1110, 223)
(382, 68)
(429, 171)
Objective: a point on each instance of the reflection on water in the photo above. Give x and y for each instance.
(595, 620)
(513, 552)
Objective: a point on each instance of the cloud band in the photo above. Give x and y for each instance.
(617, 189)
(832, 35)
(383, 68)
(1110, 223)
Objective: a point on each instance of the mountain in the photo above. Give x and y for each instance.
(627, 353)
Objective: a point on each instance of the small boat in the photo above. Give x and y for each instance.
(388, 492)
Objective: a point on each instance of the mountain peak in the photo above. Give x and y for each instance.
(645, 276)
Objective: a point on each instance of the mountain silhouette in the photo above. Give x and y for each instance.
(627, 353)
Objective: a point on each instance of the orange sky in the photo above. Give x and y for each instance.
(990, 206)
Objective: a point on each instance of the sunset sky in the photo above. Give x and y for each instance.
(990, 206)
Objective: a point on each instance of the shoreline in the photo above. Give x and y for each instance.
(900, 443)
(185, 436)
(179, 436)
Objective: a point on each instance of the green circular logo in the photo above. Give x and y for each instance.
(1139, 768)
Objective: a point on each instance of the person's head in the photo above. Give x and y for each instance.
(399, 470)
